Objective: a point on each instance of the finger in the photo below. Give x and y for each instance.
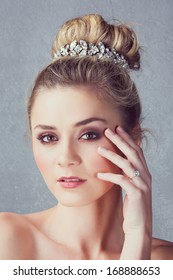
(126, 167)
(119, 161)
(131, 152)
(118, 179)
(131, 141)
(128, 170)
(135, 195)
(139, 150)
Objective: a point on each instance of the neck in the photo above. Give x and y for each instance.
(96, 226)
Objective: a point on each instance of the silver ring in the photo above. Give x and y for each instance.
(136, 174)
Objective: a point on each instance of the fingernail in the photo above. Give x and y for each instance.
(110, 132)
(119, 128)
(100, 175)
(101, 149)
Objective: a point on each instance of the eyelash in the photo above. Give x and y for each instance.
(53, 138)
(41, 137)
(96, 134)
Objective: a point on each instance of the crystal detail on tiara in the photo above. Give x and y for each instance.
(82, 48)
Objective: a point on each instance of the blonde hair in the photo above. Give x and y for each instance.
(113, 83)
(94, 29)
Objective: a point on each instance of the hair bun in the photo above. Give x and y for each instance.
(94, 29)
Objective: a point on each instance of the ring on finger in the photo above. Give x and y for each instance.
(136, 174)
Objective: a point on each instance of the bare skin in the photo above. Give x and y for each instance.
(90, 221)
(27, 237)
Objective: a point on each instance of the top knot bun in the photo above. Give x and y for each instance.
(94, 29)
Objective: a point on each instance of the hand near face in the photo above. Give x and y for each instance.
(135, 180)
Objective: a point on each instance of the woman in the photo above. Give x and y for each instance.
(84, 116)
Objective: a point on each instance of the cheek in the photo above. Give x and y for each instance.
(98, 163)
(104, 165)
(42, 161)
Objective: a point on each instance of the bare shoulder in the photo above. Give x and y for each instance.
(16, 238)
(161, 249)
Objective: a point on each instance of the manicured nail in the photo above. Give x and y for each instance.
(120, 129)
(110, 132)
(101, 149)
(100, 175)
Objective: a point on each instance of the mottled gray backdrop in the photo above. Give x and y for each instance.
(27, 28)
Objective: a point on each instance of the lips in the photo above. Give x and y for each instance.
(70, 182)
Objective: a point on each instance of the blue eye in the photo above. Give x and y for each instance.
(90, 135)
(48, 138)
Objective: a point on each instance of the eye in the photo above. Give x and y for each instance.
(47, 138)
(90, 135)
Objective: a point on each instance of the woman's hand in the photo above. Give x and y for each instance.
(135, 180)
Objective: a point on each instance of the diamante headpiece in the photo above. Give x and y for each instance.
(83, 49)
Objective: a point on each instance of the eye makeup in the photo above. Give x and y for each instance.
(47, 138)
(87, 134)
(91, 134)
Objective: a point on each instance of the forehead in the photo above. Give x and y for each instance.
(70, 105)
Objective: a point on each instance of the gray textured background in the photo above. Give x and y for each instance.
(27, 28)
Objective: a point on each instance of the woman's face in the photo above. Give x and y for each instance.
(67, 127)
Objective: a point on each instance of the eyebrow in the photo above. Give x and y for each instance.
(84, 122)
(90, 120)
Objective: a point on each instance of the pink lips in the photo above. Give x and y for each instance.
(70, 182)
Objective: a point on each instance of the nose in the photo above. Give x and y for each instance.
(68, 156)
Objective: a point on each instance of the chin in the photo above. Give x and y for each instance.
(72, 204)
(71, 201)
(81, 199)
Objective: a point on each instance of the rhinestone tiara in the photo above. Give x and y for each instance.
(82, 48)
